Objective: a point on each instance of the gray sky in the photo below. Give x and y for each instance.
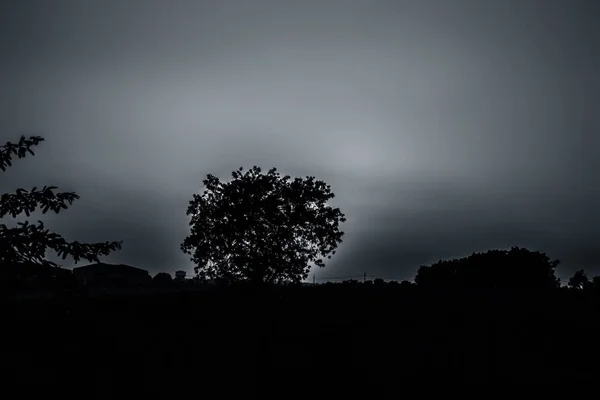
(444, 127)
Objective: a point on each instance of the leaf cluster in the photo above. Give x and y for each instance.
(28, 243)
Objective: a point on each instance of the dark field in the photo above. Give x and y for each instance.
(375, 336)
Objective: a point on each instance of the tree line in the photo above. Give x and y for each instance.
(259, 228)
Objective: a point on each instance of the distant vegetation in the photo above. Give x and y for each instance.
(257, 228)
(517, 268)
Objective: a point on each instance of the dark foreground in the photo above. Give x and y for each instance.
(367, 337)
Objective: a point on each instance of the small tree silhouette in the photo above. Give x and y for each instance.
(27, 243)
(162, 279)
(579, 280)
(261, 227)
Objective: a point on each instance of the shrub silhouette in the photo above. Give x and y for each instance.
(517, 268)
(162, 279)
(579, 280)
(261, 227)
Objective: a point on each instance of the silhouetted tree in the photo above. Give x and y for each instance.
(26, 244)
(407, 284)
(594, 286)
(517, 268)
(162, 279)
(579, 280)
(262, 227)
(379, 282)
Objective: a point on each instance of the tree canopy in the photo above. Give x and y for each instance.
(262, 227)
(516, 268)
(579, 280)
(27, 243)
(162, 279)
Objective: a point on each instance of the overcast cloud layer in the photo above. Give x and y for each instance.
(443, 127)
